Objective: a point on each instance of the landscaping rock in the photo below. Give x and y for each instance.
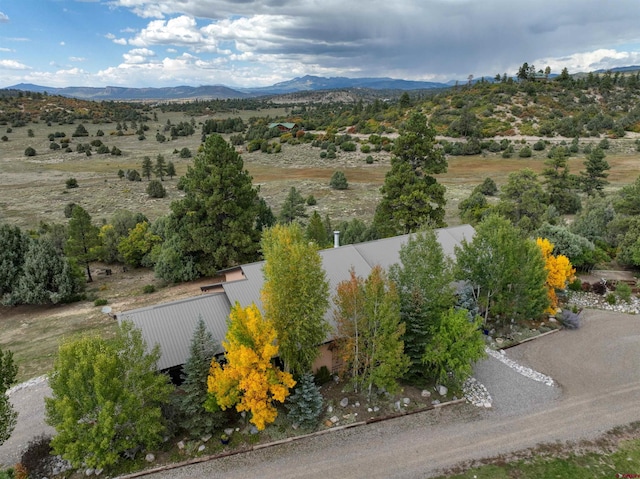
(229, 431)
(406, 401)
(201, 447)
(442, 390)
(253, 429)
(149, 457)
(208, 436)
(425, 393)
(344, 402)
(89, 472)
(180, 445)
(334, 419)
(435, 402)
(328, 423)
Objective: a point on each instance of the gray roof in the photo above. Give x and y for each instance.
(172, 324)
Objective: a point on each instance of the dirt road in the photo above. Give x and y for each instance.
(596, 368)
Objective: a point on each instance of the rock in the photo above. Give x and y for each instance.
(201, 447)
(330, 409)
(369, 409)
(328, 423)
(97, 472)
(454, 398)
(229, 431)
(208, 436)
(149, 457)
(442, 390)
(180, 445)
(253, 430)
(89, 472)
(425, 393)
(552, 319)
(334, 419)
(396, 405)
(376, 408)
(435, 402)
(344, 402)
(357, 404)
(406, 401)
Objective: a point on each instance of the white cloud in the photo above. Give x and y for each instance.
(4, 49)
(3, 18)
(62, 44)
(138, 55)
(13, 65)
(77, 59)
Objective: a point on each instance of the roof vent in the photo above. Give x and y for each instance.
(336, 239)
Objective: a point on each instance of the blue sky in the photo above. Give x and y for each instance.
(154, 43)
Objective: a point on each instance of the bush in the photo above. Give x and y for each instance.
(322, 376)
(586, 287)
(570, 320)
(365, 148)
(156, 190)
(133, 175)
(525, 152)
(68, 210)
(623, 291)
(539, 145)
(185, 153)
(71, 183)
(599, 288)
(369, 160)
(36, 456)
(311, 200)
(338, 181)
(488, 187)
(29, 151)
(575, 285)
(100, 302)
(148, 289)
(611, 298)
(305, 404)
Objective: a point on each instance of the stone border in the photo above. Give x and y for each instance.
(211, 457)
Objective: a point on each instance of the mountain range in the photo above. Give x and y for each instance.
(305, 83)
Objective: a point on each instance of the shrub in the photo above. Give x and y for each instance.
(575, 285)
(133, 175)
(5, 138)
(185, 153)
(365, 148)
(338, 181)
(488, 187)
(570, 319)
(71, 183)
(148, 289)
(599, 288)
(369, 160)
(539, 145)
(100, 302)
(54, 146)
(311, 200)
(525, 152)
(305, 404)
(586, 287)
(322, 376)
(611, 298)
(36, 456)
(623, 291)
(156, 190)
(29, 151)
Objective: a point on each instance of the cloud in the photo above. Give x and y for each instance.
(138, 55)
(4, 49)
(3, 18)
(77, 59)
(13, 65)
(62, 44)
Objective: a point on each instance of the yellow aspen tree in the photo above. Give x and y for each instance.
(249, 380)
(559, 271)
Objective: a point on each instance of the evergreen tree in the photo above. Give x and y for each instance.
(594, 179)
(160, 168)
(196, 419)
(316, 232)
(83, 238)
(13, 247)
(559, 183)
(171, 169)
(295, 295)
(147, 167)
(215, 223)
(293, 207)
(522, 200)
(411, 197)
(304, 406)
(424, 280)
(47, 277)
(8, 416)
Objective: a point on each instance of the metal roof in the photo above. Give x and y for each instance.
(171, 325)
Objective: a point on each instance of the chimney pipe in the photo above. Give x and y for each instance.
(336, 239)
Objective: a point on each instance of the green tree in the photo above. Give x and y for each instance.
(411, 197)
(506, 270)
(47, 277)
(147, 167)
(171, 170)
(8, 416)
(293, 207)
(83, 239)
(215, 223)
(304, 406)
(424, 279)
(456, 344)
(156, 190)
(106, 398)
(627, 201)
(316, 232)
(13, 247)
(136, 247)
(197, 420)
(338, 181)
(559, 183)
(370, 332)
(474, 208)
(594, 179)
(29, 151)
(523, 200)
(295, 295)
(160, 168)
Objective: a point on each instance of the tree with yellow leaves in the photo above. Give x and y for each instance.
(249, 380)
(559, 271)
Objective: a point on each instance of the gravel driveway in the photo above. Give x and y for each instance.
(597, 387)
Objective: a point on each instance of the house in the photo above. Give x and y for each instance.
(171, 325)
(283, 127)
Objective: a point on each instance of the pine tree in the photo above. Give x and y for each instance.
(293, 207)
(304, 406)
(160, 168)
(594, 179)
(83, 239)
(147, 167)
(316, 231)
(196, 419)
(215, 224)
(559, 182)
(411, 197)
(13, 247)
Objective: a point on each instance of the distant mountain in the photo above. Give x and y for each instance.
(133, 94)
(306, 83)
(631, 68)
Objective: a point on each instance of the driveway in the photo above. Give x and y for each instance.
(596, 369)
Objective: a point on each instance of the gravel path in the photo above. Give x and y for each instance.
(596, 387)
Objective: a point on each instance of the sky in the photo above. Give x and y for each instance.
(253, 43)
